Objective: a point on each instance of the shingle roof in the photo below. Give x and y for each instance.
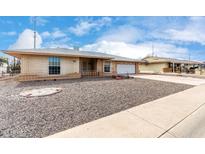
(71, 52)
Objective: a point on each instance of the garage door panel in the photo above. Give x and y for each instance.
(125, 68)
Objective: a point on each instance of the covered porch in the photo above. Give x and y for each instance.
(91, 67)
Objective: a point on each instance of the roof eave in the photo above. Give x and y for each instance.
(134, 61)
(19, 54)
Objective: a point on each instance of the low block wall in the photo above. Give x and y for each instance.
(33, 77)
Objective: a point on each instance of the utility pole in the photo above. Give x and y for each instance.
(189, 56)
(34, 30)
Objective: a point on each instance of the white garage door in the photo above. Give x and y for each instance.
(125, 68)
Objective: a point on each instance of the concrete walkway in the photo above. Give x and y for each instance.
(177, 115)
(175, 79)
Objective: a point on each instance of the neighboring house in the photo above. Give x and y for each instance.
(60, 63)
(155, 64)
(3, 66)
(201, 69)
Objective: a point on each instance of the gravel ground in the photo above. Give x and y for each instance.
(81, 101)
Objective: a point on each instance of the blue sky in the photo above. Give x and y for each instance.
(133, 37)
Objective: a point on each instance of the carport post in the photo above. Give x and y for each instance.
(200, 68)
(173, 67)
(181, 68)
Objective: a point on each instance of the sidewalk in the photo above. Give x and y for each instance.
(177, 115)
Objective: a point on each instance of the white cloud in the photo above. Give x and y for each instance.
(26, 40)
(122, 41)
(102, 22)
(84, 27)
(40, 21)
(186, 35)
(123, 33)
(193, 31)
(56, 33)
(56, 45)
(59, 43)
(45, 34)
(54, 39)
(137, 50)
(11, 33)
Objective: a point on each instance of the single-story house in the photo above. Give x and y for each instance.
(154, 64)
(61, 63)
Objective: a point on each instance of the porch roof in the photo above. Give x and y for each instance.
(170, 60)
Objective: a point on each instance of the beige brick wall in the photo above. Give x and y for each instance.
(39, 65)
(34, 65)
(152, 68)
(69, 65)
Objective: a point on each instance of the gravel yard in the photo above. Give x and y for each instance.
(80, 101)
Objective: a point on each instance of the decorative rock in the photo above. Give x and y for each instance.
(81, 101)
(1, 133)
(40, 92)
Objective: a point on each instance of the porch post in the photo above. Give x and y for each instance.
(173, 67)
(180, 68)
(100, 67)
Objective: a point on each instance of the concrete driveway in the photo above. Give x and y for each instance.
(174, 79)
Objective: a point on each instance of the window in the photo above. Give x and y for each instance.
(54, 65)
(107, 67)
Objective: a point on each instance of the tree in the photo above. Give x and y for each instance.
(3, 60)
(15, 67)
